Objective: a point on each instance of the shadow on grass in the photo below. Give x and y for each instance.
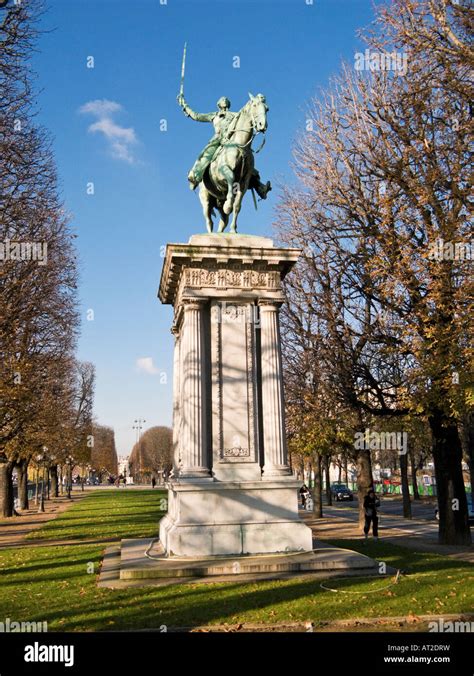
(295, 600)
(60, 592)
(80, 605)
(122, 515)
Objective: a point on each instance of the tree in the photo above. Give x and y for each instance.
(384, 169)
(38, 276)
(152, 455)
(104, 454)
(315, 428)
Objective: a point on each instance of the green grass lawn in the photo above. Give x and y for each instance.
(105, 515)
(51, 583)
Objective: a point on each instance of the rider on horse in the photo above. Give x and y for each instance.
(221, 120)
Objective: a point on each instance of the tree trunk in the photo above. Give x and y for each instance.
(327, 467)
(317, 490)
(36, 486)
(6, 487)
(405, 486)
(364, 480)
(414, 482)
(346, 476)
(452, 503)
(69, 481)
(339, 472)
(53, 472)
(23, 484)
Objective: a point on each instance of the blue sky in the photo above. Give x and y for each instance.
(288, 49)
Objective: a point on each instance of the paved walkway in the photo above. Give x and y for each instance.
(411, 533)
(14, 530)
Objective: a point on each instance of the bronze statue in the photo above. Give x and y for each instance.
(225, 168)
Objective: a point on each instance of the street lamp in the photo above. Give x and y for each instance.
(138, 426)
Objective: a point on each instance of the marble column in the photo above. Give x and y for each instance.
(274, 434)
(193, 434)
(176, 402)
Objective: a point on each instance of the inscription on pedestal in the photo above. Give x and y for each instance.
(236, 452)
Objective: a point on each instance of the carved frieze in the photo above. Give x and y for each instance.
(235, 278)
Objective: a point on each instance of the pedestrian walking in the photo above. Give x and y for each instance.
(304, 493)
(371, 504)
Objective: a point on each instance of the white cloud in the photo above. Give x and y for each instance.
(145, 365)
(100, 107)
(121, 139)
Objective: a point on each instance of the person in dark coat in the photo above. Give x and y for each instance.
(371, 503)
(304, 493)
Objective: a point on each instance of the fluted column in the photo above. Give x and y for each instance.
(176, 402)
(194, 463)
(274, 436)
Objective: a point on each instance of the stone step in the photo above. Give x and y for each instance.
(145, 559)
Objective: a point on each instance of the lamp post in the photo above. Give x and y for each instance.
(138, 426)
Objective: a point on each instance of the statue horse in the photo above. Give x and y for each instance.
(227, 178)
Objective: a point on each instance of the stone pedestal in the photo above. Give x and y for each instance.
(232, 491)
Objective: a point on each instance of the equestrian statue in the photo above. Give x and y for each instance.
(225, 169)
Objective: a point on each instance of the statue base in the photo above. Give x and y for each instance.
(232, 491)
(233, 518)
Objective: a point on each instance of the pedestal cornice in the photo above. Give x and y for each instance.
(194, 269)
